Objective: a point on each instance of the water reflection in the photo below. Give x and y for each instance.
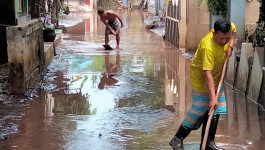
(112, 69)
(245, 119)
(177, 79)
(73, 112)
(49, 105)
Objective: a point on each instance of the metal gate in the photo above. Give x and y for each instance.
(172, 20)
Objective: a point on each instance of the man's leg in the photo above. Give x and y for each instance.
(118, 41)
(177, 142)
(210, 144)
(106, 39)
(193, 120)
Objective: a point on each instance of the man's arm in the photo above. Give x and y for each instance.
(231, 46)
(210, 84)
(108, 26)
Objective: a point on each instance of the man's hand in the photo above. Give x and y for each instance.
(122, 25)
(213, 104)
(113, 32)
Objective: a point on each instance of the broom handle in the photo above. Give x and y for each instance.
(212, 111)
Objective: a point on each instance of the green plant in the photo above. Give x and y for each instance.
(261, 11)
(216, 7)
(257, 37)
(0, 86)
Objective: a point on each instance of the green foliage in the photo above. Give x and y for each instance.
(257, 37)
(83, 82)
(73, 104)
(262, 11)
(216, 7)
(98, 64)
(200, 2)
(0, 86)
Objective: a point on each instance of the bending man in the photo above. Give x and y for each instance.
(113, 24)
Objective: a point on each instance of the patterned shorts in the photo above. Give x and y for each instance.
(200, 108)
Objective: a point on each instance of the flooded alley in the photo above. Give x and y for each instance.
(133, 98)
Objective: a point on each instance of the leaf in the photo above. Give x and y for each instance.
(83, 82)
(200, 2)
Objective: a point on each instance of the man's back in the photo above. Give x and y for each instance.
(209, 56)
(109, 15)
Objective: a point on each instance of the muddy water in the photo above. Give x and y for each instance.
(134, 98)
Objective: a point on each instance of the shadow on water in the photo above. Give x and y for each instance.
(134, 98)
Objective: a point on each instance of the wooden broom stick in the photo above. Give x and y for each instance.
(212, 111)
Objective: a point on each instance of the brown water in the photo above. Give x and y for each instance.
(135, 98)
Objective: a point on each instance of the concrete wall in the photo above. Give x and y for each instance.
(25, 54)
(182, 24)
(156, 7)
(249, 78)
(251, 16)
(161, 7)
(231, 68)
(256, 75)
(241, 80)
(237, 16)
(197, 23)
(152, 6)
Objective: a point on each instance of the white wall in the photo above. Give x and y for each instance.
(156, 7)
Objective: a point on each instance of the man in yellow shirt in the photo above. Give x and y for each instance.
(205, 72)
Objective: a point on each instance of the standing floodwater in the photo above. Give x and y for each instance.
(134, 98)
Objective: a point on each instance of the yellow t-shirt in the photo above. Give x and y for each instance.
(209, 56)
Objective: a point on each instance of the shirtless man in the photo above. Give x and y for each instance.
(113, 24)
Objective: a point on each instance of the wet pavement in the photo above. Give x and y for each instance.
(134, 98)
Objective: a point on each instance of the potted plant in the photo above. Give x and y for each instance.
(48, 29)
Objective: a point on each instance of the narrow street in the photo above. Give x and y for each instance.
(133, 98)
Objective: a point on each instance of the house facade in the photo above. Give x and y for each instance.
(22, 44)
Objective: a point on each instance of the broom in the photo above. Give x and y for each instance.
(212, 111)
